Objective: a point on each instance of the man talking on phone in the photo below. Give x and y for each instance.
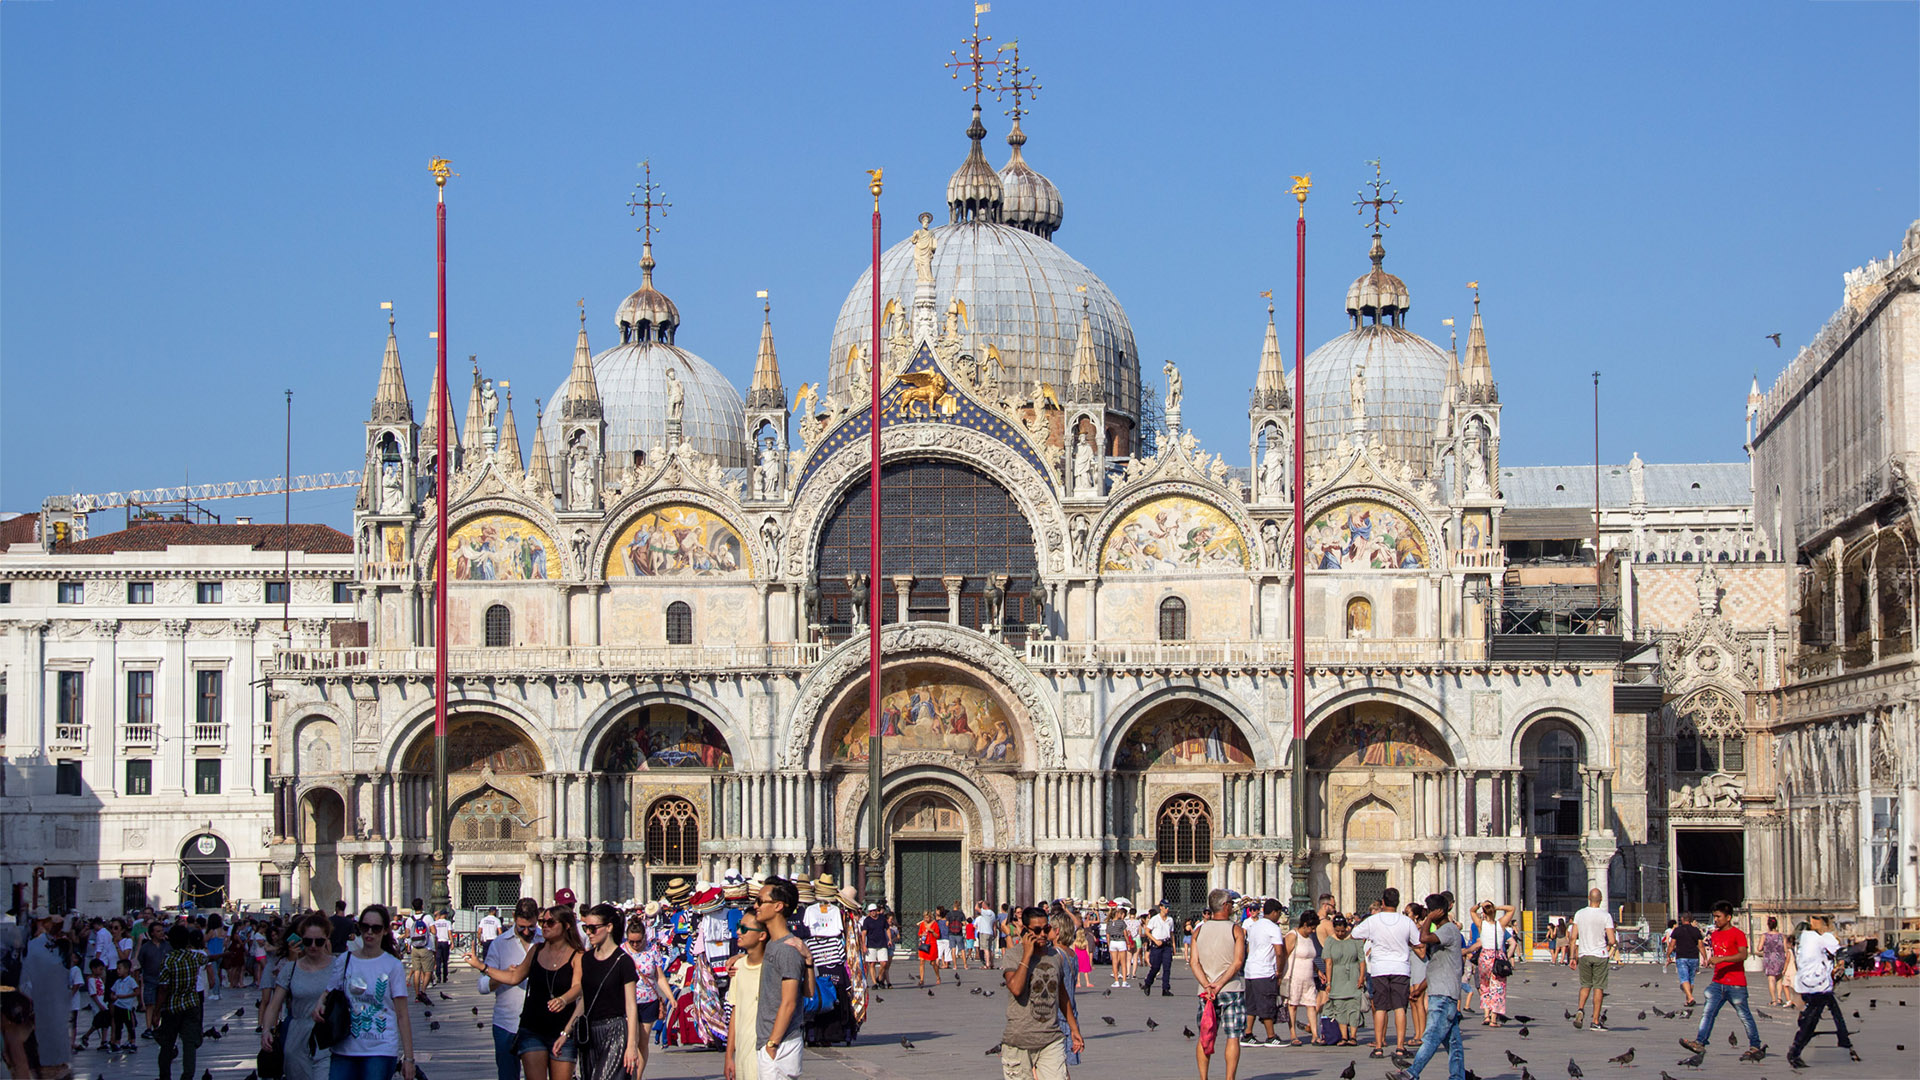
(1031, 1047)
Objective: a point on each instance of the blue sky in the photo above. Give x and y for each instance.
(202, 205)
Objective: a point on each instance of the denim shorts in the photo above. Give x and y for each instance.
(1686, 969)
(527, 1042)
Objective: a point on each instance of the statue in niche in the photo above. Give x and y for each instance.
(676, 396)
(857, 597)
(580, 485)
(1080, 529)
(580, 548)
(1173, 386)
(770, 542)
(393, 493)
(766, 477)
(924, 246)
(1085, 467)
(1273, 468)
(1474, 450)
(1270, 538)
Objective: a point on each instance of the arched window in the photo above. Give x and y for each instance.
(1173, 619)
(1552, 757)
(673, 833)
(1186, 831)
(1711, 736)
(499, 627)
(679, 623)
(487, 814)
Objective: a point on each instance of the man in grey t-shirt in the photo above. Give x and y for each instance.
(1440, 941)
(1031, 1047)
(783, 982)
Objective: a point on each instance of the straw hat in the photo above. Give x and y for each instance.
(653, 908)
(847, 899)
(824, 887)
(805, 888)
(679, 891)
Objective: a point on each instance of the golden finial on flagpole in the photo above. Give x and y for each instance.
(873, 185)
(441, 168)
(1302, 185)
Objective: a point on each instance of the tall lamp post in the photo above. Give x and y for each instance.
(1302, 890)
(876, 889)
(442, 897)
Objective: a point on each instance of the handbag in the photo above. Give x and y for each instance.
(272, 1064)
(1502, 967)
(336, 1021)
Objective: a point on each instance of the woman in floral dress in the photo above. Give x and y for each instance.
(1773, 957)
(1494, 923)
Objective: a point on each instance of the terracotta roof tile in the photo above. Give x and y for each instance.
(314, 539)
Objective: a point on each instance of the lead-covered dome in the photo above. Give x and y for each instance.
(1023, 297)
(1405, 375)
(632, 380)
(1029, 200)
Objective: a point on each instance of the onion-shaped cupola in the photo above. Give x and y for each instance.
(975, 193)
(1030, 202)
(1377, 296)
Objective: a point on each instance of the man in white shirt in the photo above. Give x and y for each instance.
(1265, 932)
(1158, 930)
(983, 920)
(1390, 938)
(1594, 944)
(104, 950)
(506, 951)
(489, 927)
(1813, 979)
(442, 944)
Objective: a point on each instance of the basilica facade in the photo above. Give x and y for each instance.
(657, 618)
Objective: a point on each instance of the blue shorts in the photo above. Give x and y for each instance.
(1687, 969)
(527, 1042)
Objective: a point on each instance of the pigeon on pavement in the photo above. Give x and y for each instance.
(1107, 1020)
(1573, 1069)
(1515, 1060)
(906, 1042)
(992, 1050)
(1347, 1073)
(1623, 1059)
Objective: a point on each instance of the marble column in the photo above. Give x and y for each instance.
(953, 582)
(902, 589)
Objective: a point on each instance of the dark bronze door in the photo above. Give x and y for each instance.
(926, 876)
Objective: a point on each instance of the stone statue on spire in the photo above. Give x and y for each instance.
(1357, 396)
(924, 246)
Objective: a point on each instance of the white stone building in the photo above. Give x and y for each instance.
(137, 734)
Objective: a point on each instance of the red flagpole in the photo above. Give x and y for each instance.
(875, 873)
(1301, 888)
(443, 424)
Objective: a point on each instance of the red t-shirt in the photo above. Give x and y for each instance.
(1726, 941)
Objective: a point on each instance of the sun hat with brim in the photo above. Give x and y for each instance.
(847, 898)
(710, 900)
(805, 888)
(679, 891)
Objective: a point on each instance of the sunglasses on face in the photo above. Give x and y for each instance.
(315, 941)
(593, 928)
(549, 922)
(523, 928)
(373, 928)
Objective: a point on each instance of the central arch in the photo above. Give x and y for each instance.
(1029, 708)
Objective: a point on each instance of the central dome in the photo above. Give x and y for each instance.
(1405, 374)
(1023, 297)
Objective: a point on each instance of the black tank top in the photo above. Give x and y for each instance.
(544, 986)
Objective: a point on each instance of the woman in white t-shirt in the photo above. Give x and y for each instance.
(375, 981)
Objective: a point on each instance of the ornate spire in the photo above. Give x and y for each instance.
(647, 314)
(974, 193)
(1086, 383)
(582, 400)
(766, 391)
(539, 470)
(430, 430)
(471, 440)
(1270, 382)
(510, 435)
(390, 403)
(1377, 294)
(1030, 201)
(1476, 377)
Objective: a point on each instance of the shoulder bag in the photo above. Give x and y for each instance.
(336, 1022)
(1502, 967)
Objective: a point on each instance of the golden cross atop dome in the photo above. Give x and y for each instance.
(1391, 202)
(645, 200)
(1016, 79)
(975, 60)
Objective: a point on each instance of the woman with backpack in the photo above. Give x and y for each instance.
(1493, 927)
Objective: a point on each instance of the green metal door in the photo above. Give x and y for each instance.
(1186, 894)
(926, 875)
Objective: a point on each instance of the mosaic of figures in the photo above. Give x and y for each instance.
(1174, 533)
(678, 541)
(475, 744)
(1476, 530)
(927, 709)
(500, 547)
(1365, 536)
(1375, 735)
(664, 737)
(1182, 734)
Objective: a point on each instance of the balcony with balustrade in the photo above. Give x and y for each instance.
(778, 657)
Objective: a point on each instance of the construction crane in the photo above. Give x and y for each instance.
(232, 489)
(64, 517)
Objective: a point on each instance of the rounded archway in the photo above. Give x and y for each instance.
(205, 873)
(322, 825)
(493, 793)
(1182, 734)
(1376, 798)
(929, 842)
(1376, 735)
(932, 709)
(662, 735)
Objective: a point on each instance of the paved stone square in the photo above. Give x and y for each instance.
(952, 1028)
